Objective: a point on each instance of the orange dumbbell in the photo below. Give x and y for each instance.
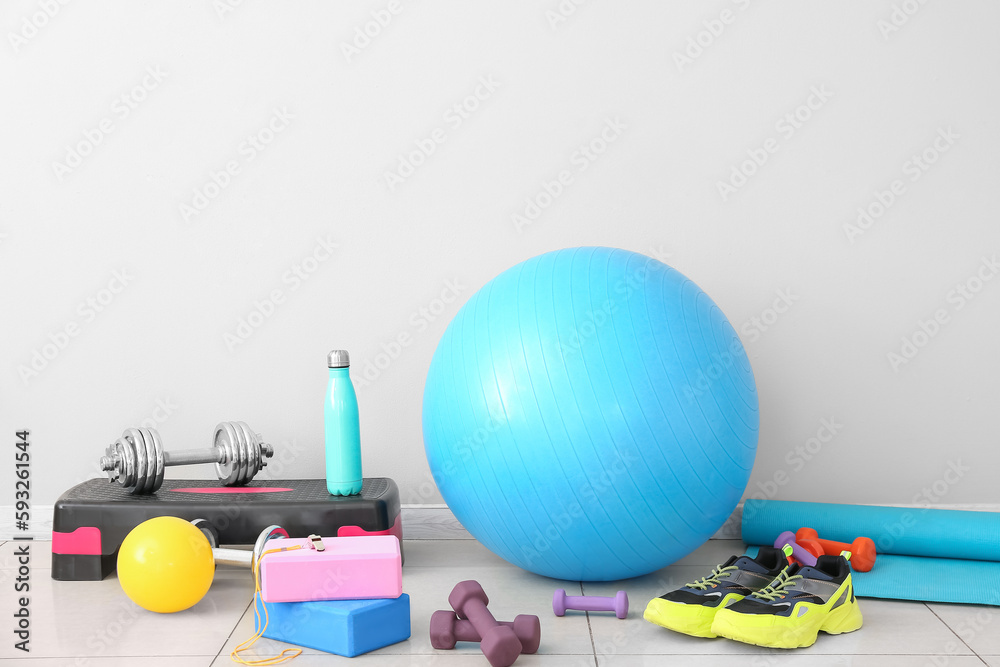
(862, 549)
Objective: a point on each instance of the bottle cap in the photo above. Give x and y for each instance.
(338, 359)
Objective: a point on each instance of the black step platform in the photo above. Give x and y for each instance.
(91, 520)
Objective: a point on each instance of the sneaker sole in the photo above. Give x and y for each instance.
(786, 632)
(689, 619)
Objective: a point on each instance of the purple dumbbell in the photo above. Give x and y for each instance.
(561, 602)
(799, 552)
(446, 629)
(500, 644)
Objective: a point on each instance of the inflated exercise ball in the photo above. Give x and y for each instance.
(590, 414)
(166, 564)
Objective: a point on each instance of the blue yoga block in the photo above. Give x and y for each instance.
(344, 627)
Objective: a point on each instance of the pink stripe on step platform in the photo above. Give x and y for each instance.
(357, 531)
(233, 489)
(84, 541)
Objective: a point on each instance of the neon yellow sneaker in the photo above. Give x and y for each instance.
(692, 609)
(795, 607)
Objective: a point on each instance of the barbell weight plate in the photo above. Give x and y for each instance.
(239, 456)
(253, 453)
(135, 438)
(243, 447)
(147, 439)
(128, 457)
(155, 462)
(223, 440)
(229, 437)
(145, 483)
(161, 460)
(130, 461)
(117, 450)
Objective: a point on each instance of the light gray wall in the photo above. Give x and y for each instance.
(884, 85)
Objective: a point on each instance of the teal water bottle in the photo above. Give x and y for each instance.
(343, 432)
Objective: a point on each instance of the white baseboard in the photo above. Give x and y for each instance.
(420, 522)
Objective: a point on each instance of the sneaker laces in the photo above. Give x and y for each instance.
(712, 580)
(778, 588)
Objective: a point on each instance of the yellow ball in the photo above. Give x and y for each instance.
(166, 565)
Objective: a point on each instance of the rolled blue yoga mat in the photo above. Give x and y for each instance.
(923, 554)
(931, 580)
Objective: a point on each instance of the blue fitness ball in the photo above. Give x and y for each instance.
(590, 414)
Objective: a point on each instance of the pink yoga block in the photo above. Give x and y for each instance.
(349, 568)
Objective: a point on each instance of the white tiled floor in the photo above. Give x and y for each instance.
(93, 624)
